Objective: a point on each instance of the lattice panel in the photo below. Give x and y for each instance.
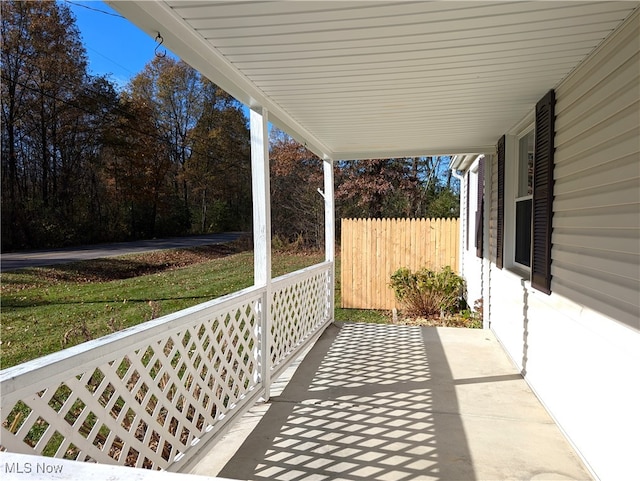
(297, 311)
(148, 407)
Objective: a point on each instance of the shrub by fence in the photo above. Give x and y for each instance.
(373, 249)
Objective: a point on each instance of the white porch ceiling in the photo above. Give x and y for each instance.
(370, 79)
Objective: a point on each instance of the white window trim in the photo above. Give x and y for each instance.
(512, 150)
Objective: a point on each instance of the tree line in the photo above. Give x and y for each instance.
(83, 161)
(413, 187)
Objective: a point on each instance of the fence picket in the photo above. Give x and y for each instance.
(372, 249)
(345, 251)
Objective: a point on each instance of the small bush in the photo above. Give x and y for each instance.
(427, 293)
(470, 319)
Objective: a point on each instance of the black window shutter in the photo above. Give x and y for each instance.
(500, 221)
(480, 211)
(542, 210)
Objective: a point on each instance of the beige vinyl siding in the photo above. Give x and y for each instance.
(596, 224)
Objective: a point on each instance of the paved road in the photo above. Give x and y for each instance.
(18, 260)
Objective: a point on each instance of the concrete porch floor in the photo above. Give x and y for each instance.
(383, 402)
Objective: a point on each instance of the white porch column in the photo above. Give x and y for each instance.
(330, 229)
(262, 232)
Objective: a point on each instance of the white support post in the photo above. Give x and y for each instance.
(262, 232)
(330, 230)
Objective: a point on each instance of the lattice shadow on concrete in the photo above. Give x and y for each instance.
(368, 402)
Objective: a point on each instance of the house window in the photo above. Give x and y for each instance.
(531, 198)
(524, 199)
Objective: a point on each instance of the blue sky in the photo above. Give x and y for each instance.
(115, 47)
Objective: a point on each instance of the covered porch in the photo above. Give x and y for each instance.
(349, 80)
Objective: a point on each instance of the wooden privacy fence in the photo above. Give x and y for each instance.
(372, 249)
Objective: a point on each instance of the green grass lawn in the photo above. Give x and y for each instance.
(47, 309)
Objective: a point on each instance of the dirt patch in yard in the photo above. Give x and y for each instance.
(134, 265)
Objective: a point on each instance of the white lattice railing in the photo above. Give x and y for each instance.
(300, 304)
(152, 395)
